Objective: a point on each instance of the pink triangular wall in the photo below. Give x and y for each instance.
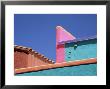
(61, 35)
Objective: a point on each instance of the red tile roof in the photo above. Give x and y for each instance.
(28, 50)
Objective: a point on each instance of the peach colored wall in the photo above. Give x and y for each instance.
(29, 61)
(22, 60)
(39, 62)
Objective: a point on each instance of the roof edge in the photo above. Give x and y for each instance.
(29, 50)
(79, 39)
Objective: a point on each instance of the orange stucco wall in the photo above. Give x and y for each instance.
(23, 60)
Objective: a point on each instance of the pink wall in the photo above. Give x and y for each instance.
(61, 35)
(60, 53)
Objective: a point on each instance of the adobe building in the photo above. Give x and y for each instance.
(78, 49)
(69, 48)
(26, 57)
(81, 49)
(70, 52)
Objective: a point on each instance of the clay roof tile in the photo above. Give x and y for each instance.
(31, 51)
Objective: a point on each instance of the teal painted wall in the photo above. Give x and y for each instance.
(82, 70)
(83, 50)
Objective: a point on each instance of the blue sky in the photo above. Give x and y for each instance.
(38, 30)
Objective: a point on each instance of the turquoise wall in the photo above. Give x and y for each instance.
(81, 50)
(82, 70)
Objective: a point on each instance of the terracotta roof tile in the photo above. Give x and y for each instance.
(31, 51)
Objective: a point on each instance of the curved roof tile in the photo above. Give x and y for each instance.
(28, 50)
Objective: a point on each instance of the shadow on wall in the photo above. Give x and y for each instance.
(80, 43)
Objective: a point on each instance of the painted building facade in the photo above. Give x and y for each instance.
(71, 48)
(26, 57)
(68, 50)
(81, 70)
(80, 50)
(61, 35)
